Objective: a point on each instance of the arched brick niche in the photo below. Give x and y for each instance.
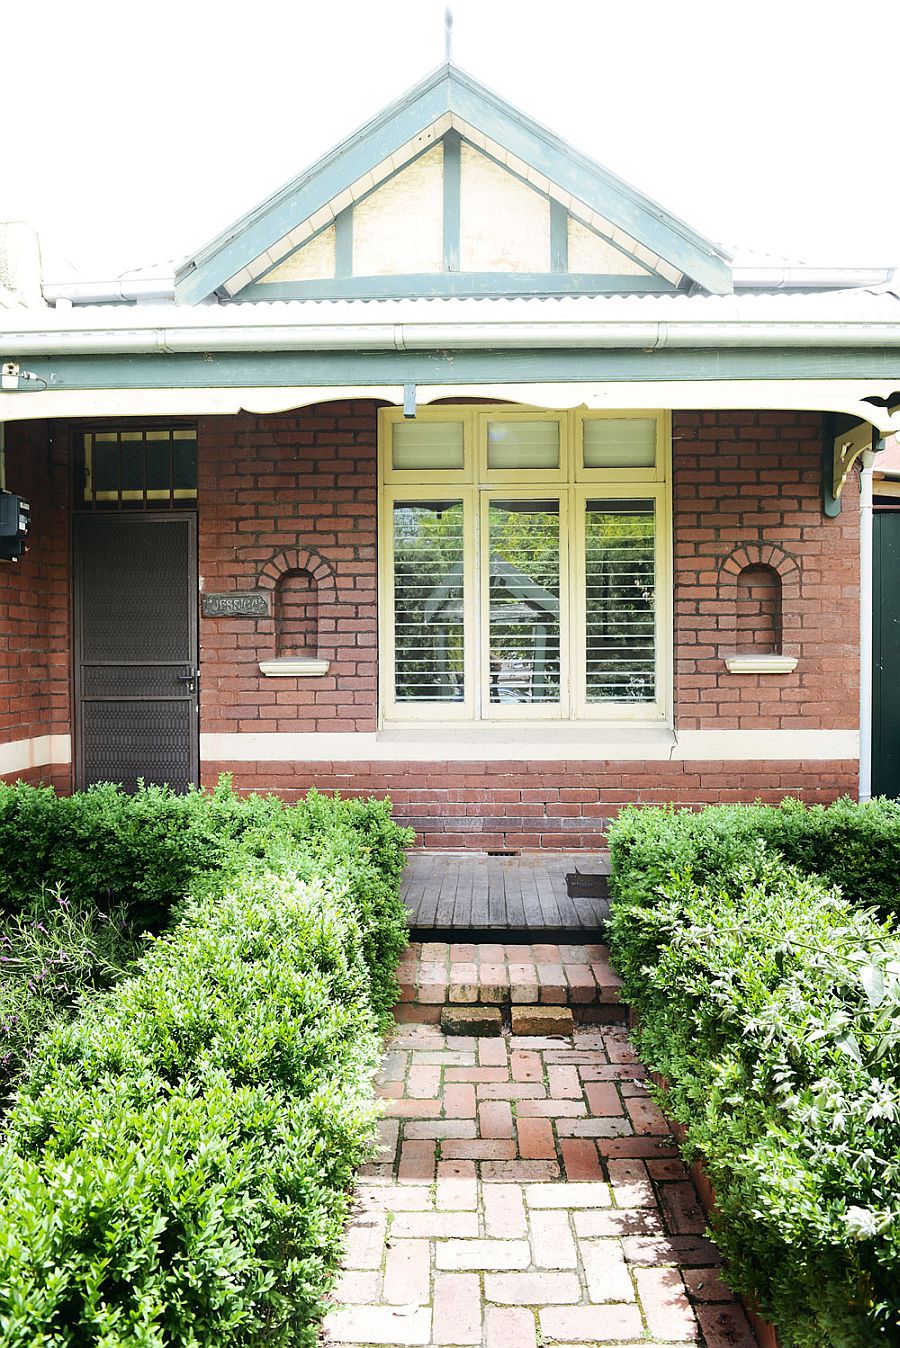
(304, 597)
(759, 589)
(758, 611)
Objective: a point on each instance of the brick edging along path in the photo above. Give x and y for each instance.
(527, 1191)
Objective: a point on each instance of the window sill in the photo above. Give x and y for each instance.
(496, 741)
(761, 664)
(294, 667)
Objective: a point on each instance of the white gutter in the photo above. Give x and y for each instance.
(110, 292)
(480, 335)
(865, 625)
(811, 278)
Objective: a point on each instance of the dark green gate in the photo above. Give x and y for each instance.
(886, 641)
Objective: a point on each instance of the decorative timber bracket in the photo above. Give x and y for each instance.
(840, 450)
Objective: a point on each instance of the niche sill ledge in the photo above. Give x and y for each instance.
(761, 664)
(294, 667)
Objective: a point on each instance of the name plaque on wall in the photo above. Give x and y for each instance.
(237, 604)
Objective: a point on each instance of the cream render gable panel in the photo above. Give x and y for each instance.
(504, 225)
(399, 229)
(590, 252)
(314, 261)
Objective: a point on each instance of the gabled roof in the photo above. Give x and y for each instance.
(449, 106)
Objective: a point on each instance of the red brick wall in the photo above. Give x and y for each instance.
(34, 599)
(747, 484)
(540, 804)
(747, 493)
(298, 493)
(273, 490)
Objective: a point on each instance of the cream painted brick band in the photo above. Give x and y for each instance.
(581, 743)
(35, 753)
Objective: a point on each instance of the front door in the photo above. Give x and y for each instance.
(886, 655)
(136, 649)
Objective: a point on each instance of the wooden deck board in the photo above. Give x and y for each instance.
(474, 892)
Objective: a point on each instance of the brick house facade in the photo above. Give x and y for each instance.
(765, 562)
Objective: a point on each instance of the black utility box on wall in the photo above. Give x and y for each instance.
(15, 519)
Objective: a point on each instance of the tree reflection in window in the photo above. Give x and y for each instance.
(524, 633)
(429, 659)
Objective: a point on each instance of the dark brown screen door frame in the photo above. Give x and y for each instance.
(136, 648)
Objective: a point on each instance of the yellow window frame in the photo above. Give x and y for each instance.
(475, 485)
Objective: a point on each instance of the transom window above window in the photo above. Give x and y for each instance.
(524, 565)
(135, 469)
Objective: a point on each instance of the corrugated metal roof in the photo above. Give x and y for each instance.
(848, 306)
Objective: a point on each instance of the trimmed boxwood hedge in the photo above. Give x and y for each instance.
(771, 1006)
(854, 846)
(178, 1159)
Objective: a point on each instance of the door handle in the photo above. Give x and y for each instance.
(189, 679)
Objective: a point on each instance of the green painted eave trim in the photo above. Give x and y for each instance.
(451, 203)
(358, 369)
(343, 243)
(449, 90)
(453, 284)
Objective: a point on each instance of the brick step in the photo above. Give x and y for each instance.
(435, 974)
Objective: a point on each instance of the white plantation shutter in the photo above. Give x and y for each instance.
(620, 600)
(429, 647)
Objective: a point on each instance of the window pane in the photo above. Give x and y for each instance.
(523, 444)
(104, 455)
(429, 664)
(132, 443)
(427, 444)
(159, 469)
(621, 644)
(629, 442)
(524, 601)
(184, 462)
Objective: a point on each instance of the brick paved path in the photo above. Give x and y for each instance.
(527, 1192)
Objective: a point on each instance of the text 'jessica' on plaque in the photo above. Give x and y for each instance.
(237, 604)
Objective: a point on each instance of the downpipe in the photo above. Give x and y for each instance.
(866, 601)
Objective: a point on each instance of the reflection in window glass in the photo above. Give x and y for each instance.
(429, 660)
(620, 571)
(523, 444)
(524, 601)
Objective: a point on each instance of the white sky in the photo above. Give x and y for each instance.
(135, 131)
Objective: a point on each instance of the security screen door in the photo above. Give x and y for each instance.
(136, 649)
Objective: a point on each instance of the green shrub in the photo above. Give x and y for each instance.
(771, 1006)
(179, 1158)
(143, 850)
(855, 846)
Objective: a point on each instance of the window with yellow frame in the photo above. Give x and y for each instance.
(525, 564)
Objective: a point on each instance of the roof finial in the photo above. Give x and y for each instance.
(448, 35)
